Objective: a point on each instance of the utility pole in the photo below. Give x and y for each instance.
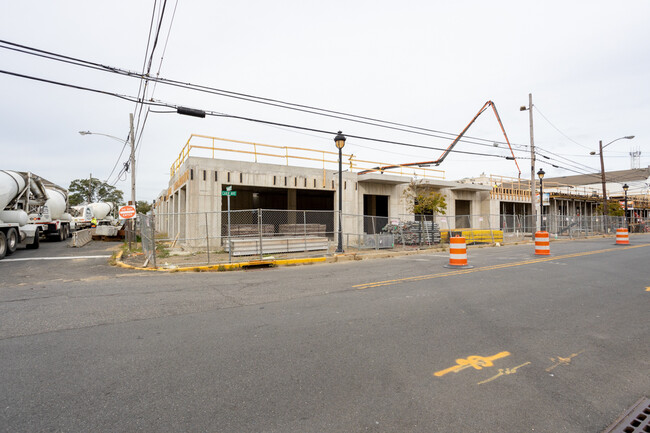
(532, 162)
(132, 163)
(602, 174)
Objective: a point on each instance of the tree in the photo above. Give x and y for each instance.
(614, 208)
(142, 207)
(93, 190)
(423, 199)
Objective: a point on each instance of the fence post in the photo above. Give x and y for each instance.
(229, 238)
(207, 237)
(153, 239)
(259, 226)
(304, 225)
(374, 230)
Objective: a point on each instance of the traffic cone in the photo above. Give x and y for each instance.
(542, 244)
(458, 253)
(622, 237)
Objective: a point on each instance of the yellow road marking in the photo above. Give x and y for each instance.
(504, 372)
(478, 362)
(488, 268)
(562, 361)
(647, 289)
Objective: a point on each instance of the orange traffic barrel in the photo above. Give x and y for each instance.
(458, 253)
(542, 244)
(622, 237)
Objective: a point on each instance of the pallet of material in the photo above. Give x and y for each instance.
(474, 236)
(302, 229)
(251, 246)
(249, 229)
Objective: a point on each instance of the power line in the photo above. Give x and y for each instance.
(329, 113)
(145, 76)
(557, 129)
(262, 100)
(153, 90)
(151, 102)
(359, 137)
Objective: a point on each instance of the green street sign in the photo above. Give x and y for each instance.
(229, 193)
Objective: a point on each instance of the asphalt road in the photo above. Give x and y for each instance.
(519, 343)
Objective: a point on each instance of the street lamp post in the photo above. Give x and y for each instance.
(602, 169)
(627, 224)
(541, 174)
(340, 142)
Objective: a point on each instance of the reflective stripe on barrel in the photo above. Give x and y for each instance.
(457, 251)
(622, 237)
(542, 244)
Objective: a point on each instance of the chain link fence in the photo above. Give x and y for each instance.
(209, 238)
(147, 228)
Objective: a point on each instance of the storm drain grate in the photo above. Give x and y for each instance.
(635, 420)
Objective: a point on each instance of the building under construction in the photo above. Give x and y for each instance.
(294, 179)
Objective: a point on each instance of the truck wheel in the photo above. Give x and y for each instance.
(34, 245)
(3, 245)
(12, 241)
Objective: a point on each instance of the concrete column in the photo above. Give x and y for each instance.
(292, 203)
(182, 207)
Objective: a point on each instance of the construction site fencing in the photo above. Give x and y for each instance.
(147, 227)
(208, 238)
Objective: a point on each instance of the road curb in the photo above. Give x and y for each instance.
(223, 266)
(337, 258)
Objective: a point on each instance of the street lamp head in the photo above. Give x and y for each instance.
(339, 140)
(85, 132)
(523, 108)
(629, 137)
(541, 173)
(592, 153)
(625, 188)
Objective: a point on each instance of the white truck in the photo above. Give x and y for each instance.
(52, 218)
(84, 213)
(21, 193)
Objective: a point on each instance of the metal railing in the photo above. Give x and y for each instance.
(258, 152)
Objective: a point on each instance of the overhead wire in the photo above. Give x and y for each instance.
(267, 101)
(282, 104)
(152, 102)
(147, 74)
(146, 69)
(557, 129)
(118, 158)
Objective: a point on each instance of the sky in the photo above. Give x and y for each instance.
(429, 64)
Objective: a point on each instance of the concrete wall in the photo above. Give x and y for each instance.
(196, 188)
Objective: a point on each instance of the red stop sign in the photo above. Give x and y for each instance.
(126, 212)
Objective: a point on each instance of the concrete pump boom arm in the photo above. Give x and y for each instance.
(453, 143)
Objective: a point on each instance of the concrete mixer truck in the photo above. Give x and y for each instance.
(52, 217)
(21, 193)
(86, 212)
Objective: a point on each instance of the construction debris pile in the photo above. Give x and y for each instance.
(414, 232)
